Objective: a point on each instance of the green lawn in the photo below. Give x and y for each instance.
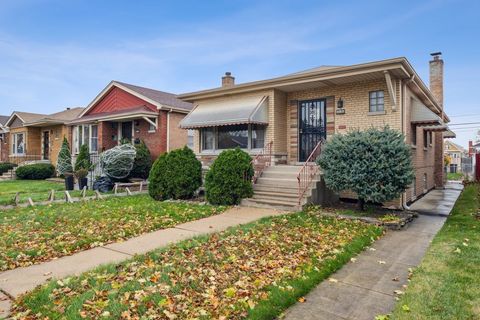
(454, 176)
(446, 285)
(38, 190)
(35, 234)
(252, 271)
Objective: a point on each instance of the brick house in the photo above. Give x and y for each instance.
(124, 111)
(292, 113)
(3, 139)
(38, 137)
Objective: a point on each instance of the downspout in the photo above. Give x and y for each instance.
(403, 95)
(168, 130)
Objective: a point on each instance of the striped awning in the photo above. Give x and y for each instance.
(246, 110)
(422, 115)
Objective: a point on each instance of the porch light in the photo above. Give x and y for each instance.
(340, 103)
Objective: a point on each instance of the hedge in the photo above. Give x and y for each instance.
(39, 171)
(229, 179)
(5, 166)
(175, 175)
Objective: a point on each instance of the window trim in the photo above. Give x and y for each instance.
(376, 111)
(76, 138)
(15, 146)
(215, 148)
(155, 119)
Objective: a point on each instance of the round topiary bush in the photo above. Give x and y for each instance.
(229, 179)
(175, 175)
(376, 164)
(39, 171)
(143, 162)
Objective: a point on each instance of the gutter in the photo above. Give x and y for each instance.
(168, 129)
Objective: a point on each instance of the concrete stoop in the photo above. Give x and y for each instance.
(278, 188)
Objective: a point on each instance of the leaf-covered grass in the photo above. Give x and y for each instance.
(35, 234)
(446, 285)
(252, 271)
(36, 189)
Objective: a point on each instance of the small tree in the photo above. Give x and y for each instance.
(229, 179)
(117, 162)
(83, 159)
(375, 164)
(175, 175)
(142, 163)
(64, 159)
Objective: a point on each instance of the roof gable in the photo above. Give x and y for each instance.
(122, 96)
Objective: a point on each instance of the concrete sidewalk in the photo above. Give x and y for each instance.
(20, 280)
(365, 288)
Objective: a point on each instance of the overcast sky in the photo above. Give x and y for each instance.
(58, 53)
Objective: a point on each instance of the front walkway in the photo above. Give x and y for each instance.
(366, 287)
(20, 280)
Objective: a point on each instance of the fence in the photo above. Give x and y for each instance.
(95, 171)
(21, 159)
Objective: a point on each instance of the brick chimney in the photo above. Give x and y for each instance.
(228, 80)
(436, 77)
(470, 148)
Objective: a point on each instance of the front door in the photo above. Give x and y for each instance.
(127, 133)
(311, 126)
(46, 145)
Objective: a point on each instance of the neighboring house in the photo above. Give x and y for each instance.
(123, 111)
(3, 139)
(293, 113)
(455, 152)
(35, 137)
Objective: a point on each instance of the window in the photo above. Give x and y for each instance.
(207, 138)
(85, 134)
(430, 138)
(414, 134)
(190, 137)
(18, 144)
(151, 127)
(377, 101)
(94, 138)
(242, 136)
(229, 137)
(425, 184)
(425, 138)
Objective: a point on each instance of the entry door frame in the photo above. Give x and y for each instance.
(323, 124)
(45, 148)
(120, 130)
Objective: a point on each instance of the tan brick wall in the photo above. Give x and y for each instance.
(32, 139)
(422, 158)
(56, 138)
(178, 137)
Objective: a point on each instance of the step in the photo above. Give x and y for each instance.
(270, 204)
(283, 168)
(286, 195)
(279, 174)
(276, 189)
(277, 181)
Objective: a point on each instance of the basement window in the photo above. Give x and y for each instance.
(377, 101)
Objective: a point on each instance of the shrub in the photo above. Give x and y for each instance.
(38, 171)
(375, 164)
(64, 161)
(83, 159)
(229, 179)
(143, 162)
(175, 175)
(5, 166)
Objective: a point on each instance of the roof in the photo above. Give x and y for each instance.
(56, 118)
(242, 110)
(161, 99)
(455, 146)
(24, 117)
(331, 75)
(134, 112)
(3, 120)
(421, 114)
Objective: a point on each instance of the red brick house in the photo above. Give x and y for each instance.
(124, 111)
(3, 139)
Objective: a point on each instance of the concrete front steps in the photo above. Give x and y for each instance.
(278, 188)
(9, 175)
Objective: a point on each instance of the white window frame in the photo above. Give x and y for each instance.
(119, 131)
(215, 141)
(151, 127)
(14, 143)
(78, 140)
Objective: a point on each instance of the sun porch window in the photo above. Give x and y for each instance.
(85, 134)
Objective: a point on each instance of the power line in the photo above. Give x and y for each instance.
(463, 124)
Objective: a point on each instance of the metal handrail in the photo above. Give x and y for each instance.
(308, 171)
(262, 161)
